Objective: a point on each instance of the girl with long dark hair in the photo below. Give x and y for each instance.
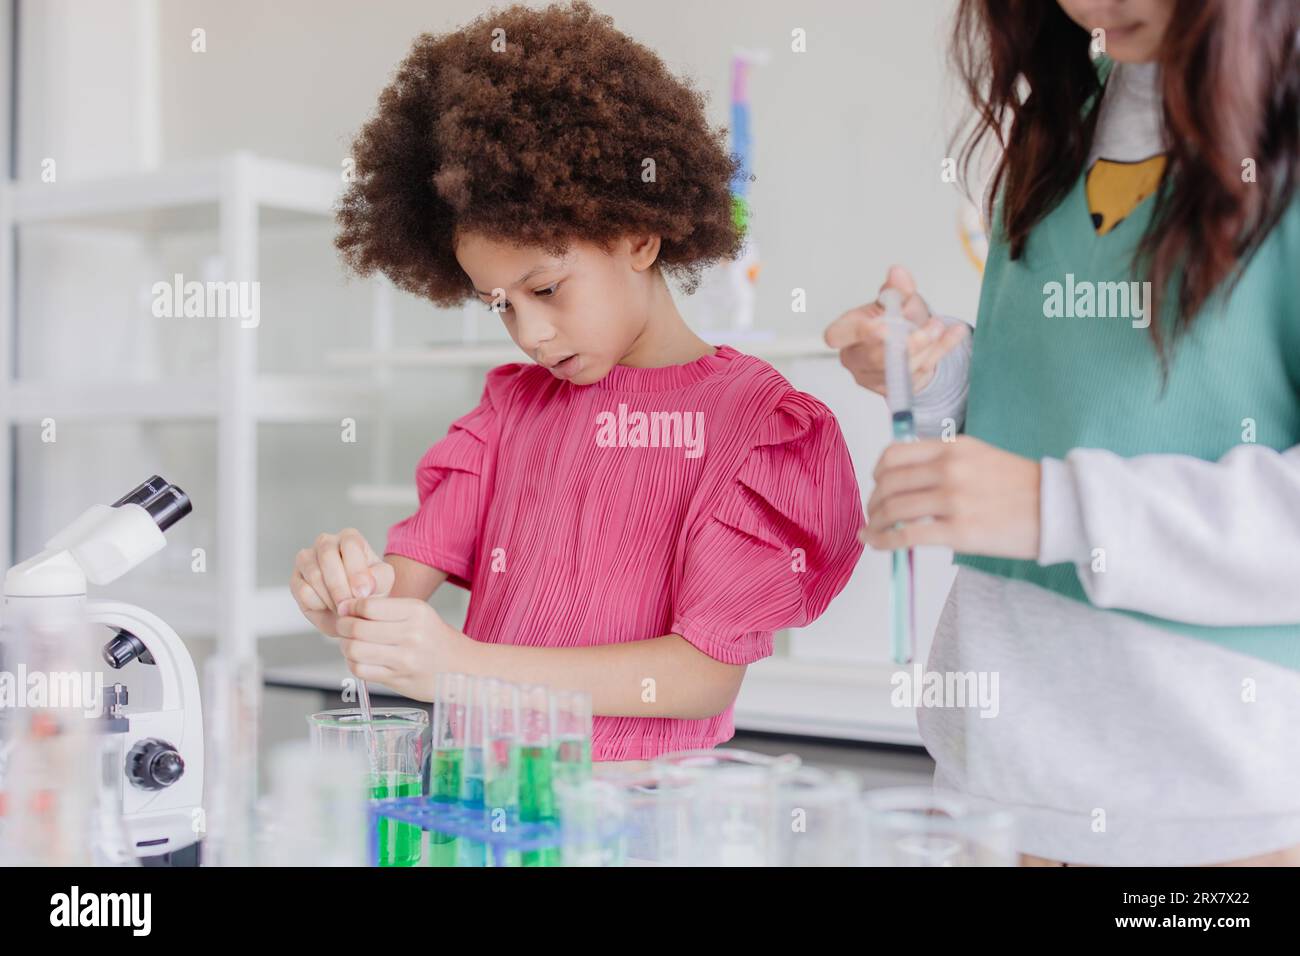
(1124, 498)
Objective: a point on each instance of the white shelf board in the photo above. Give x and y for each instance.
(395, 495)
(433, 357)
(311, 398)
(76, 401)
(179, 197)
(279, 399)
(182, 185)
(293, 187)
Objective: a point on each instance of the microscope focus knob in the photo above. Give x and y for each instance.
(124, 648)
(154, 764)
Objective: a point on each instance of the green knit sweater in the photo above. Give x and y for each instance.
(1059, 364)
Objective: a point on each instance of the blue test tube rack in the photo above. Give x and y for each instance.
(474, 823)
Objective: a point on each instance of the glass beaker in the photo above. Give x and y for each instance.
(393, 744)
(232, 704)
(318, 814)
(50, 754)
(923, 826)
(592, 816)
(731, 805)
(816, 818)
(654, 810)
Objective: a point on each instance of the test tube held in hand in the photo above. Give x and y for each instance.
(367, 715)
(898, 395)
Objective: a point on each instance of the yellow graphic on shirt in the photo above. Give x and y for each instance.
(1114, 189)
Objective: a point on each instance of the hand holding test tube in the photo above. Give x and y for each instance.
(898, 395)
(860, 335)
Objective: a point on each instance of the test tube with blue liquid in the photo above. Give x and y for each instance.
(470, 852)
(898, 396)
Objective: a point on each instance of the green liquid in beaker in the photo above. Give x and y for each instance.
(399, 843)
(537, 798)
(444, 785)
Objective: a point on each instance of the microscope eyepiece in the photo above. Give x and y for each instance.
(142, 492)
(166, 503)
(168, 507)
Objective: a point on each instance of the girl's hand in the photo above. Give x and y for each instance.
(400, 642)
(963, 494)
(337, 567)
(859, 335)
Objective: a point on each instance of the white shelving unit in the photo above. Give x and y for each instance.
(234, 195)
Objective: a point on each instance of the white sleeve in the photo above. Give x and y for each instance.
(944, 397)
(1213, 543)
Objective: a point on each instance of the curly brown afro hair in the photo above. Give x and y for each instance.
(540, 143)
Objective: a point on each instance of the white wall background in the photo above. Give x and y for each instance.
(848, 136)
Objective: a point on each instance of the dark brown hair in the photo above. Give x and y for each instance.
(1230, 74)
(536, 135)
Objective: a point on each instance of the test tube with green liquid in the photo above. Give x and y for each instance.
(571, 725)
(499, 704)
(472, 852)
(451, 718)
(536, 768)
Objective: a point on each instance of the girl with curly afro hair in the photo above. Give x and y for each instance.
(635, 511)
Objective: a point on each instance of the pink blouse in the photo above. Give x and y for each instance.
(710, 500)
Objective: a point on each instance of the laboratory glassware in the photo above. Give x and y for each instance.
(923, 826)
(729, 807)
(592, 816)
(393, 744)
(816, 818)
(318, 807)
(536, 767)
(452, 706)
(898, 396)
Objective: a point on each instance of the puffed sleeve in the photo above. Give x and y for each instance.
(781, 541)
(443, 532)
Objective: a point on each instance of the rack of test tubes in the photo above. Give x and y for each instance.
(503, 776)
(506, 782)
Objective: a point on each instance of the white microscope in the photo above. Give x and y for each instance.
(161, 777)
